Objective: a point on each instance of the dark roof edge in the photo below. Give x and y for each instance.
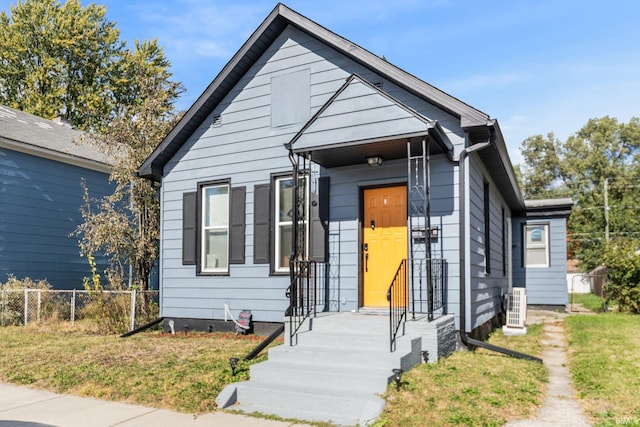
(153, 171)
(153, 166)
(549, 207)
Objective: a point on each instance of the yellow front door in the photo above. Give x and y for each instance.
(384, 241)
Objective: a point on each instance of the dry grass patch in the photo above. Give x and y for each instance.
(183, 372)
(480, 388)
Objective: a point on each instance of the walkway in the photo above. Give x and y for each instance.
(25, 407)
(560, 407)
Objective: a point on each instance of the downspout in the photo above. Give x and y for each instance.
(466, 340)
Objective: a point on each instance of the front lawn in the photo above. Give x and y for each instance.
(183, 372)
(605, 365)
(480, 388)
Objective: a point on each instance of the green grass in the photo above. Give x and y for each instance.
(605, 365)
(183, 372)
(589, 301)
(480, 388)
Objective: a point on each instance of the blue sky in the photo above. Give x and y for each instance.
(537, 66)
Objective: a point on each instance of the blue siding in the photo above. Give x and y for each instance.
(485, 289)
(247, 149)
(545, 286)
(40, 202)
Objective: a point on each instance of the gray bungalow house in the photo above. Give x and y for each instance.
(41, 168)
(313, 177)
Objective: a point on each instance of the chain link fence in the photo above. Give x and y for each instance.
(116, 309)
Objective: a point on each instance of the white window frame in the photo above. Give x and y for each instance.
(219, 227)
(279, 225)
(545, 243)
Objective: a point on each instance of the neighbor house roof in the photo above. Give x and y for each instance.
(54, 140)
(256, 45)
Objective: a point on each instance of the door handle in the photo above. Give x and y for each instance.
(365, 250)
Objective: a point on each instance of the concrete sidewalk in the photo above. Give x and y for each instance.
(25, 407)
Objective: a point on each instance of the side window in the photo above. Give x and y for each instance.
(273, 222)
(214, 228)
(283, 223)
(536, 245)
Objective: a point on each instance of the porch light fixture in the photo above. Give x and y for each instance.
(397, 377)
(374, 161)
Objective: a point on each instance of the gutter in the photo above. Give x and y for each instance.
(466, 340)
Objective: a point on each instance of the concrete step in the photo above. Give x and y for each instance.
(351, 356)
(353, 378)
(309, 403)
(335, 372)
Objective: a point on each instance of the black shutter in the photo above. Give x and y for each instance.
(237, 225)
(261, 224)
(189, 228)
(319, 221)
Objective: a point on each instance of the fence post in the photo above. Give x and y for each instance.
(132, 324)
(39, 305)
(73, 307)
(26, 306)
(4, 304)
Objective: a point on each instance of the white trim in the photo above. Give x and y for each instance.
(544, 244)
(204, 229)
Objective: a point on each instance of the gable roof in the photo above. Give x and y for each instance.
(367, 135)
(40, 137)
(256, 45)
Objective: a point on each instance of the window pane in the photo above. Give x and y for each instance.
(216, 206)
(536, 235)
(215, 250)
(285, 245)
(285, 196)
(536, 256)
(536, 245)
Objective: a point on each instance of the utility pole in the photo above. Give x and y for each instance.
(606, 209)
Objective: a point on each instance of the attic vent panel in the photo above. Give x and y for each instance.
(290, 98)
(216, 121)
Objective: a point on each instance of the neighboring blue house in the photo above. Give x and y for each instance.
(540, 252)
(42, 164)
(390, 169)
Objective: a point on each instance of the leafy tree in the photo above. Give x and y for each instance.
(125, 225)
(597, 162)
(61, 60)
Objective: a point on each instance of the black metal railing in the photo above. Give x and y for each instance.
(428, 286)
(397, 296)
(303, 293)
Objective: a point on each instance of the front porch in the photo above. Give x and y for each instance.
(338, 367)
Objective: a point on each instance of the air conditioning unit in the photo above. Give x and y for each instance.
(516, 312)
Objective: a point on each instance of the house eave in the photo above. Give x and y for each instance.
(549, 207)
(279, 18)
(496, 159)
(57, 156)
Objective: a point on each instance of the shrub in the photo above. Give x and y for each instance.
(623, 262)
